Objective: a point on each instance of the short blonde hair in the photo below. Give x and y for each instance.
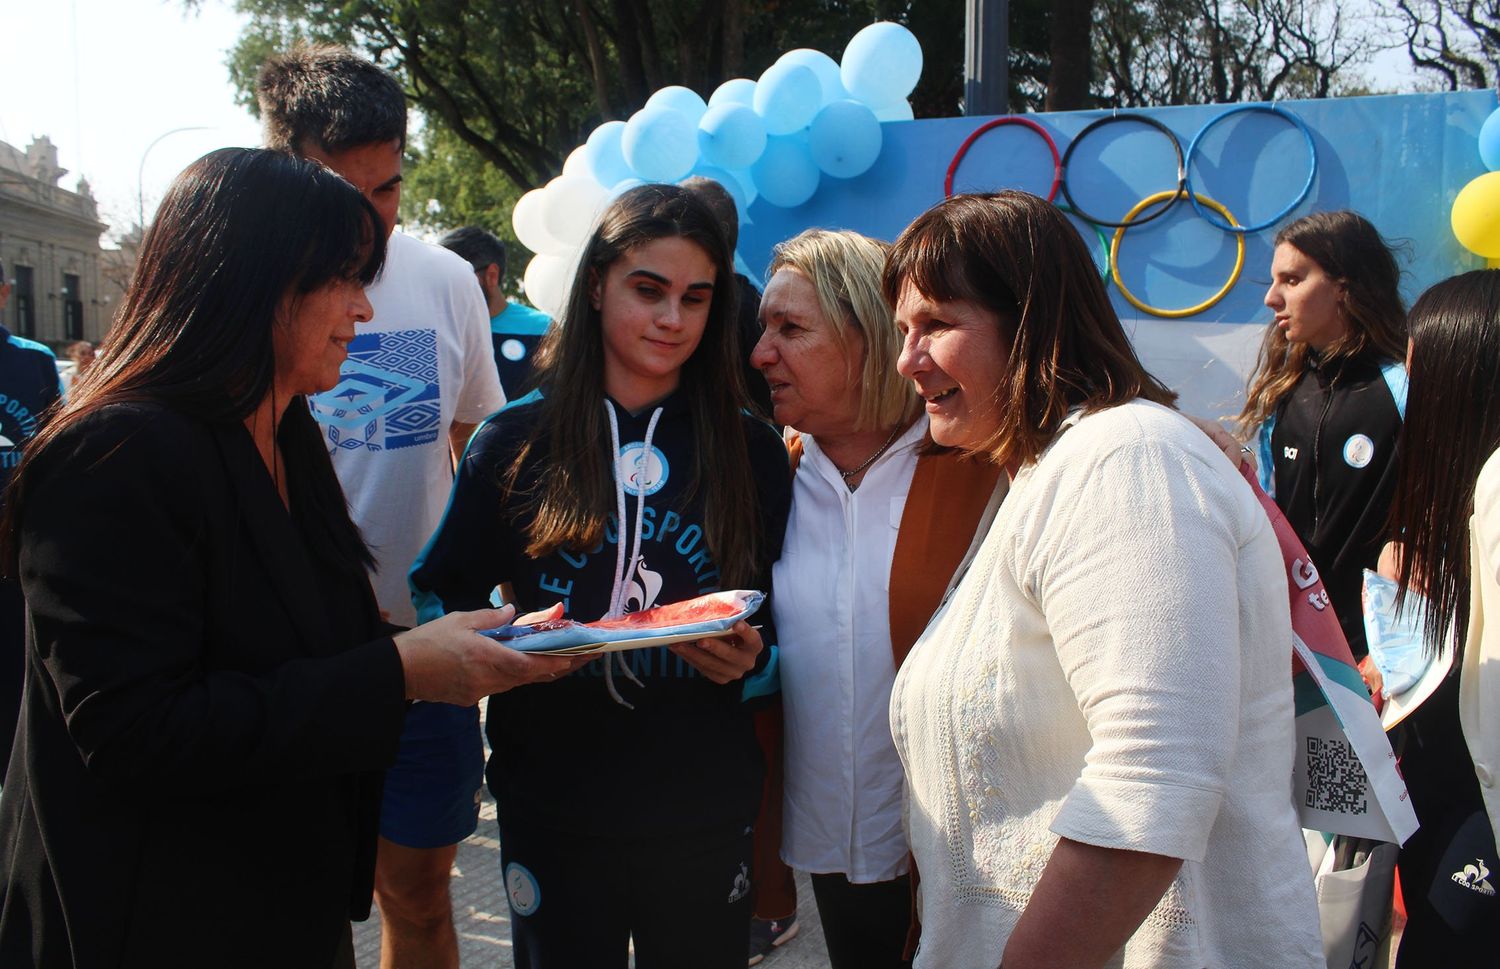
(844, 268)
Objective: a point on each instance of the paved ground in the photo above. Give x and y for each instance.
(483, 918)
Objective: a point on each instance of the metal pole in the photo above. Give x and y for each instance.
(986, 57)
(140, 173)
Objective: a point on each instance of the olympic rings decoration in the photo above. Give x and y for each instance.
(1114, 258)
(1312, 169)
(1106, 272)
(958, 157)
(1170, 197)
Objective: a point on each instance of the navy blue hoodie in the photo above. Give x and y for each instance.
(565, 754)
(28, 385)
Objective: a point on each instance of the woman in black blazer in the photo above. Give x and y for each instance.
(211, 696)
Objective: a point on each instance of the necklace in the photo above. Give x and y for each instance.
(846, 475)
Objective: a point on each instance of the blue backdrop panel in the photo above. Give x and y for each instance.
(1399, 160)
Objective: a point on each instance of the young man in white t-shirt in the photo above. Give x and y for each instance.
(420, 376)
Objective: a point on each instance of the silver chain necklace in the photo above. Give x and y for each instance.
(846, 475)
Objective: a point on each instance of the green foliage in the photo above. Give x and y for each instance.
(503, 91)
(447, 185)
(522, 83)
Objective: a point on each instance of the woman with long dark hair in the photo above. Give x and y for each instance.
(1097, 725)
(211, 696)
(632, 477)
(1328, 394)
(1447, 512)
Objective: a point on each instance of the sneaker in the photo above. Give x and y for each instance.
(767, 934)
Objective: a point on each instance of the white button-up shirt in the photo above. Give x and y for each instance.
(843, 778)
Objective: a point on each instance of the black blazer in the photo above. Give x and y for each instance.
(196, 779)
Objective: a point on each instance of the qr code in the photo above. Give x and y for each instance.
(1336, 779)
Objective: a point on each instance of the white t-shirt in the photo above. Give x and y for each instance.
(421, 364)
(842, 801)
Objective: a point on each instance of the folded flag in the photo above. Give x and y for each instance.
(1345, 779)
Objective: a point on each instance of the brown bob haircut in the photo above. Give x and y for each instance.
(1020, 258)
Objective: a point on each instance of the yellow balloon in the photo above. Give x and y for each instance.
(1476, 216)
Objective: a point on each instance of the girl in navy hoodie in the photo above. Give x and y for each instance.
(627, 789)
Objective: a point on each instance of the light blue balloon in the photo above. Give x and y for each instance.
(825, 67)
(898, 111)
(786, 174)
(660, 145)
(604, 156)
(881, 64)
(844, 139)
(738, 90)
(787, 96)
(731, 136)
(1489, 141)
(680, 99)
(747, 185)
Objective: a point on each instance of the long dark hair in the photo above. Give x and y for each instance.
(1452, 427)
(570, 497)
(239, 230)
(1019, 257)
(1351, 252)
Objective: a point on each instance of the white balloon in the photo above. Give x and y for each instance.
(577, 163)
(548, 281)
(526, 219)
(570, 206)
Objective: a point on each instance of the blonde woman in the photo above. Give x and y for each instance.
(877, 526)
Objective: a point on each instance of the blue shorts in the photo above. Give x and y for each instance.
(432, 793)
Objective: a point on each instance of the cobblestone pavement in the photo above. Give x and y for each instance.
(483, 918)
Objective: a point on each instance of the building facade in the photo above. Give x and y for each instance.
(49, 245)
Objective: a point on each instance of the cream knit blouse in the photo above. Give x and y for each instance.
(1114, 668)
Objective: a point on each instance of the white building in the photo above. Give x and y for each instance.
(49, 245)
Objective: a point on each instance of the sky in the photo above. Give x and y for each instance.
(105, 78)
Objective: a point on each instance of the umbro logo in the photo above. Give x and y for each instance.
(1475, 877)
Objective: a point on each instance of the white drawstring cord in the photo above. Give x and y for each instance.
(618, 594)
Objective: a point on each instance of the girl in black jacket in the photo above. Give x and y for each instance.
(1328, 396)
(627, 790)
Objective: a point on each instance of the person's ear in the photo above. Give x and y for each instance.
(596, 291)
(491, 277)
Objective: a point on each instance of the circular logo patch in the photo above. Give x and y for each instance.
(512, 350)
(1358, 451)
(642, 472)
(522, 890)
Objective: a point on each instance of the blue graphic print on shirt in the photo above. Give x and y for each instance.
(387, 396)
